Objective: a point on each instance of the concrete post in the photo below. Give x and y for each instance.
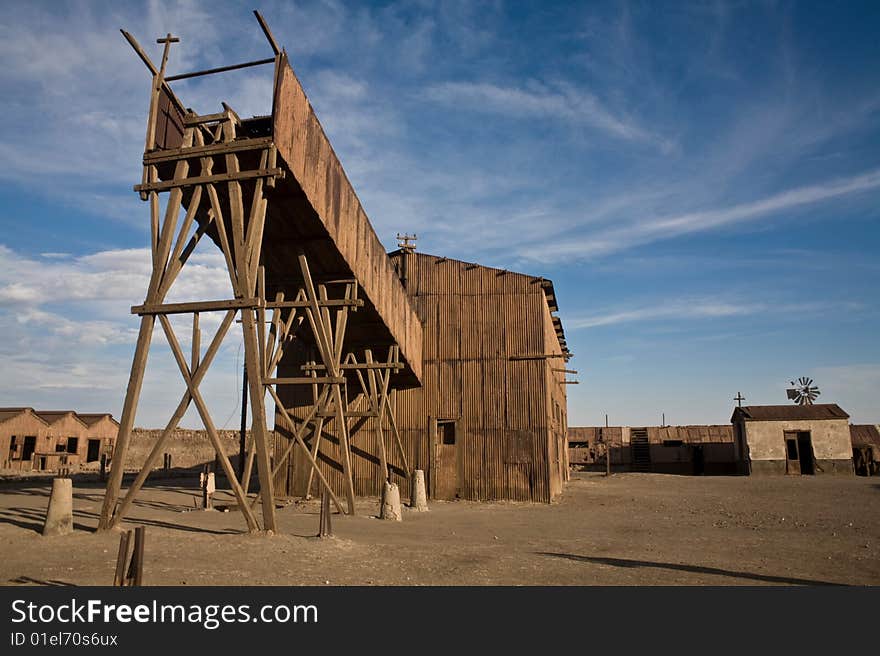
(418, 498)
(59, 514)
(206, 481)
(391, 503)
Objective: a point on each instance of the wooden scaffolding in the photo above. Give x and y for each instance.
(219, 178)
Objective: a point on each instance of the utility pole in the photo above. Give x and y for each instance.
(607, 448)
(241, 437)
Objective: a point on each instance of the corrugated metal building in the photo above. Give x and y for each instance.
(46, 440)
(489, 421)
(692, 449)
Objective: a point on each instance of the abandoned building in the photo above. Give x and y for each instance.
(700, 449)
(761, 439)
(865, 440)
(368, 364)
(489, 421)
(47, 440)
(793, 439)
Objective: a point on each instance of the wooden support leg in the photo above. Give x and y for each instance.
(346, 449)
(209, 424)
(126, 422)
(305, 448)
(258, 422)
(319, 429)
(122, 558)
(150, 462)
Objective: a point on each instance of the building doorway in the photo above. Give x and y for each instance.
(94, 452)
(799, 453)
(444, 459)
(699, 461)
(30, 445)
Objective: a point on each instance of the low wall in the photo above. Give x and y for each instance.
(188, 448)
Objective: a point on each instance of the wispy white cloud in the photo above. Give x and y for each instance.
(562, 101)
(701, 307)
(649, 230)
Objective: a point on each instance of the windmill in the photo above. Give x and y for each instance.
(803, 392)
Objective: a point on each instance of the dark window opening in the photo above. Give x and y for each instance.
(791, 446)
(72, 444)
(30, 445)
(13, 447)
(446, 429)
(94, 451)
(60, 447)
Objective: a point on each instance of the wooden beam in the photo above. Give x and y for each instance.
(220, 69)
(197, 306)
(357, 365)
(265, 27)
(540, 356)
(201, 119)
(210, 179)
(162, 156)
(331, 302)
(348, 413)
(306, 380)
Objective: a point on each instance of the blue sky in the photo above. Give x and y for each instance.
(700, 180)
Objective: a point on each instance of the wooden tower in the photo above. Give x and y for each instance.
(314, 290)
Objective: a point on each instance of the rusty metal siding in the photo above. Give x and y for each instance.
(475, 318)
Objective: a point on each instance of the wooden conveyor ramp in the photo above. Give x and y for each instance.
(328, 329)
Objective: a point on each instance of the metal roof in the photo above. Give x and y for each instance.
(93, 418)
(789, 412)
(864, 435)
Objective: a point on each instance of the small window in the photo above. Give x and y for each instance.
(446, 431)
(72, 444)
(791, 445)
(60, 447)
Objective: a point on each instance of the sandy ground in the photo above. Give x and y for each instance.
(630, 529)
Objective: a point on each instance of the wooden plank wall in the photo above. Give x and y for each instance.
(509, 434)
(304, 147)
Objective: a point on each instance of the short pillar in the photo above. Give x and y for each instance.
(418, 498)
(59, 514)
(391, 503)
(206, 481)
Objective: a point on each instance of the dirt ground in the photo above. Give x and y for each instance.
(630, 529)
